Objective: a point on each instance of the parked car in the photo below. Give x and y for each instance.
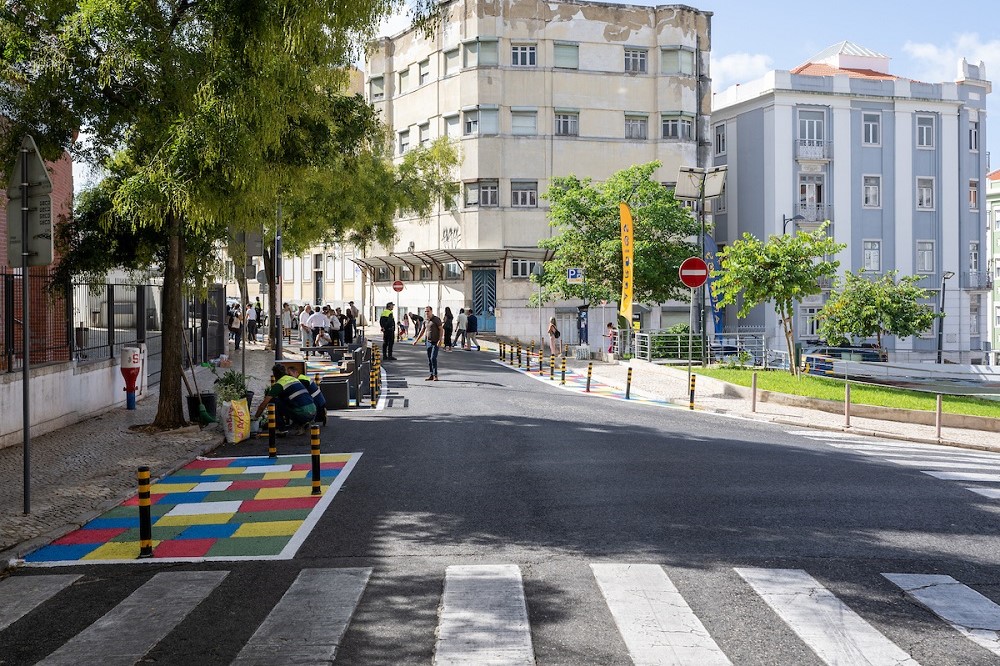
(862, 353)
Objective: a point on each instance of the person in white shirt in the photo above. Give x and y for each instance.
(460, 323)
(305, 333)
(318, 321)
(251, 317)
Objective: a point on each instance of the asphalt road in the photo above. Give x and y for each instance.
(487, 467)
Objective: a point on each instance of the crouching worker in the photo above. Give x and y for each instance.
(318, 399)
(292, 401)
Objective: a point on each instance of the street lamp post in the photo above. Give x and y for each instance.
(700, 184)
(794, 220)
(947, 275)
(537, 270)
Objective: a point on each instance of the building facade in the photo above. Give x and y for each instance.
(530, 90)
(897, 166)
(993, 262)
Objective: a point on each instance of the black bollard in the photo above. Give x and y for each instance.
(563, 379)
(628, 384)
(552, 367)
(590, 371)
(314, 442)
(145, 520)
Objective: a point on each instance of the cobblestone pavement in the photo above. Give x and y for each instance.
(81, 470)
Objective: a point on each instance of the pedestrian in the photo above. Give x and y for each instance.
(460, 340)
(251, 320)
(354, 310)
(318, 321)
(292, 401)
(418, 323)
(404, 329)
(286, 322)
(555, 346)
(305, 332)
(237, 327)
(387, 322)
(610, 335)
(336, 326)
(432, 331)
(258, 308)
(319, 400)
(349, 326)
(471, 329)
(449, 326)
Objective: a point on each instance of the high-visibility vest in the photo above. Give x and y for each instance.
(293, 392)
(317, 395)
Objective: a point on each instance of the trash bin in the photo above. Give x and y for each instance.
(208, 399)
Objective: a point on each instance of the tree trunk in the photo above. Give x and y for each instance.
(786, 328)
(170, 409)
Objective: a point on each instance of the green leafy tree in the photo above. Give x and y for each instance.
(198, 102)
(784, 270)
(585, 216)
(865, 307)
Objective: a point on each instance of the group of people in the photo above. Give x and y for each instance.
(251, 320)
(325, 326)
(436, 332)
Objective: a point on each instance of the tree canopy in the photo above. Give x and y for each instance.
(785, 270)
(862, 306)
(587, 234)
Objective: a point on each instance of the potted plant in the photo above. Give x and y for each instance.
(232, 385)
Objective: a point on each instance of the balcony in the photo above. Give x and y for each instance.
(812, 149)
(815, 215)
(977, 280)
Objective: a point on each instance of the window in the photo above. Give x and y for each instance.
(974, 257)
(996, 316)
(404, 141)
(567, 123)
(677, 61)
(376, 89)
(873, 256)
(382, 274)
(404, 80)
(811, 127)
(524, 122)
(925, 256)
(405, 273)
(451, 62)
(482, 193)
(925, 193)
(524, 194)
(872, 192)
(974, 136)
(522, 55)
(452, 271)
(451, 126)
(424, 71)
(872, 123)
(522, 268)
(636, 127)
(306, 269)
(288, 270)
(331, 268)
(481, 121)
(481, 54)
(566, 56)
(808, 323)
(677, 127)
(973, 195)
(229, 271)
(425, 134)
(720, 139)
(425, 272)
(635, 61)
(974, 304)
(348, 265)
(925, 131)
(720, 201)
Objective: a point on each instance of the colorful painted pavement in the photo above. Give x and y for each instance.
(577, 381)
(249, 508)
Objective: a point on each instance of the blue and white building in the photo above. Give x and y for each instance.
(897, 166)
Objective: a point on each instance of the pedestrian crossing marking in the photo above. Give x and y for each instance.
(118, 639)
(483, 618)
(992, 493)
(220, 517)
(963, 476)
(969, 612)
(655, 622)
(833, 631)
(22, 594)
(308, 623)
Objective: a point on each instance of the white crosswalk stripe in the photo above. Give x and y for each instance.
(833, 631)
(22, 594)
(655, 622)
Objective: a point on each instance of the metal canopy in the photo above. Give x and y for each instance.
(438, 258)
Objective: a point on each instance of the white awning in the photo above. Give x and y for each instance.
(484, 257)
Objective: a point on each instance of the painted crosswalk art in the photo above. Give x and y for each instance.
(977, 471)
(483, 616)
(247, 508)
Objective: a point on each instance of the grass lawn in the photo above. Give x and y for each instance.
(780, 381)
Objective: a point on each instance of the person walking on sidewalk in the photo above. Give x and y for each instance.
(471, 329)
(251, 319)
(388, 325)
(555, 347)
(433, 332)
(449, 326)
(460, 322)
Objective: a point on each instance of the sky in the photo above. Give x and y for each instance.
(925, 40)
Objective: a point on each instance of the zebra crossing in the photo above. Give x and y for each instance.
(969, 466)
(483, 616)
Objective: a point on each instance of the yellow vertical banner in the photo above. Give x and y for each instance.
(628, 251)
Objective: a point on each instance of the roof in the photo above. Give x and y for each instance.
(414, 260)
(846, 48)
(993, 175)
(818, 69)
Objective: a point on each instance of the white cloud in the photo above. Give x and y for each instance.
(394, 24)
(738, 68)
(939, 62)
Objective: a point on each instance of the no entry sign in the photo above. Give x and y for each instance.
(693, 272)
(397, 286)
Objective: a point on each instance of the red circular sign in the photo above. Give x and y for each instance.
(693, 272)
(397, 286)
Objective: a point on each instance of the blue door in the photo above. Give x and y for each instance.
(484, 298)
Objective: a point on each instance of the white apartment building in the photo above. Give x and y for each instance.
(993, 263)
(897, 166)
(530, 90)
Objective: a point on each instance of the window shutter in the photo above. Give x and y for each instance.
(488, 121)
(566, 56)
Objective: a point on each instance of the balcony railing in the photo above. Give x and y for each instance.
(977, 280)
(815, 213)
(812, 149)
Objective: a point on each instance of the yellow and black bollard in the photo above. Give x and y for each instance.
(590, 372)
(691, 393)
(272, 432)
(541, 362)
(314, 444)
(552, 367)
(628, 384)
(510, 354)
(527, 362)
(373, 385)
(145, 520)
(501, 350)
(519, 354)
(563, 379)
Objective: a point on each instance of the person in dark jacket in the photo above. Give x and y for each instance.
(449, 326)
(318, 398)
(387, 322)
(472, 330)
(293, 404)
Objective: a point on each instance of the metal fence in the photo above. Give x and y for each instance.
(47, 314)
(742, 346)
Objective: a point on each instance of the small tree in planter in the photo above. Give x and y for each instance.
(232, 385)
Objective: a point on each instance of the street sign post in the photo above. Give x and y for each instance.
(693, 273)
(29, 243)
(397, 286)
(574, 276)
